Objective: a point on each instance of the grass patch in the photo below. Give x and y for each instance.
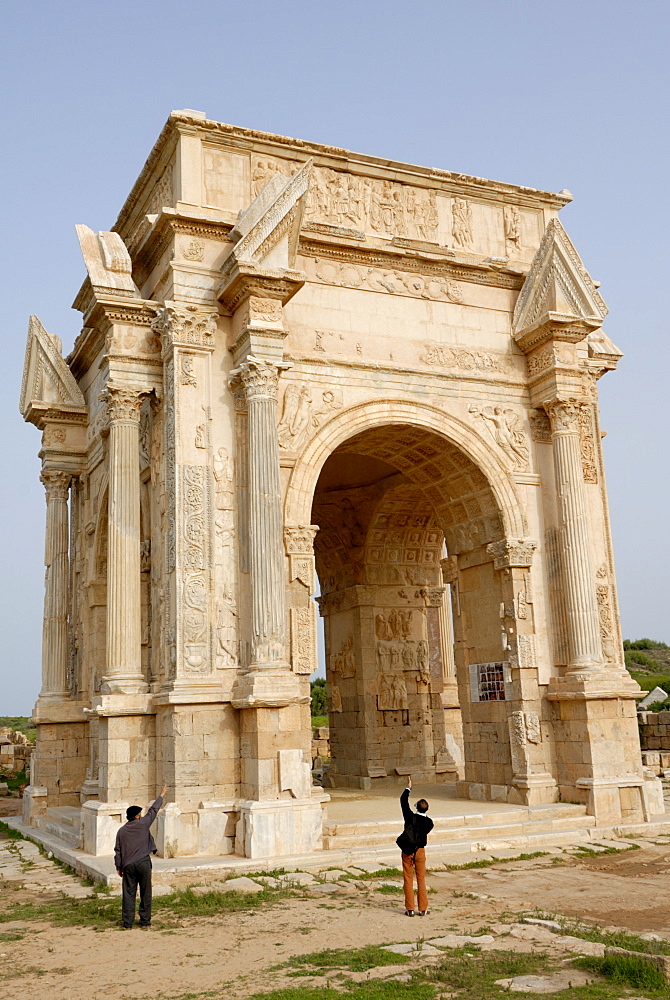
(373, 990)
(353, 959)
(487, 862)
(101, 912)
(588, 852)
(613, 939)
(626, 970)
(476, 973)
(319, 720)
(390, 890)
(363, 876)
(10, 833)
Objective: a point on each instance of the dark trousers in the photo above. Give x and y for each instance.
(137, 873)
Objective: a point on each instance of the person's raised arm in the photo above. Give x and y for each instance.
(154, 807)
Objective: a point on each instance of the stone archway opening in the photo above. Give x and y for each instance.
(408, 692)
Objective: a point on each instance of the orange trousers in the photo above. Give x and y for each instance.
(412, 863)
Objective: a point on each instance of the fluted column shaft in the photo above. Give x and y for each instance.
(55, 646)
(578, 579)
(124, 627)
(266, 555)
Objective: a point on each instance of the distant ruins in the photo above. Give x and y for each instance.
(301, 362)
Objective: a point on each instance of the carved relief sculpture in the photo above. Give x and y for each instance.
(462, 224)
(504, 425)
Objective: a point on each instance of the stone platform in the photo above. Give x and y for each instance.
(361, 828)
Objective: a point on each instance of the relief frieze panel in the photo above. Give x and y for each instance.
(393, 281)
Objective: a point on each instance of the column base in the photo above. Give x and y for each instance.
(100, 822)
(267, 687)
(583, 684)
(276, 829)
(34, 803)
(536, 789)
(120, 684)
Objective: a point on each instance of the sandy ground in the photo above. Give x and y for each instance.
(235, 952)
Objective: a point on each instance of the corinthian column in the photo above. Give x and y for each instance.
(124, 652)
(55, 649)
(578, 579)
(266, 554)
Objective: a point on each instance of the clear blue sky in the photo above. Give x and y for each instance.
(550, 95)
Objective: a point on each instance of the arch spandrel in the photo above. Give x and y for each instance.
(347, 424)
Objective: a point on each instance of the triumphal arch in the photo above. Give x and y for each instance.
(304, 371)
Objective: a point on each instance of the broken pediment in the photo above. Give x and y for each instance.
(48, 383)
(107, 261)
(558, 289)
(602, 348)
(267, 232)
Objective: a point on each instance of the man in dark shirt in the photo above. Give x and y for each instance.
(134, 845)
(412, 842)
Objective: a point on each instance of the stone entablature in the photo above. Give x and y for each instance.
(299, 362)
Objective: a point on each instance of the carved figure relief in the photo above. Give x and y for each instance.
(524, 728)
(371, 205)
(343, 663)
(296, 417)
(465, 360)
(422, 663)
(512, 220)
(376, 279)
(461, 228)
(188, 376)
(396, 624)
(335, 698)
(201, 436)
(391, 692)
(300, 414)
(223, 479)
(504, 425)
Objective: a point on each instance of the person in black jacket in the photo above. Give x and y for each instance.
(412, 842)
(134, 845)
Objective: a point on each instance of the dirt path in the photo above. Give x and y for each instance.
(238, 950)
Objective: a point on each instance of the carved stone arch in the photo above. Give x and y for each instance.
(373, 414)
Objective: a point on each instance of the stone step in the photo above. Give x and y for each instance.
(63, 822)
(487, 839)
(67, 815)
(560, 812)
(386, 833)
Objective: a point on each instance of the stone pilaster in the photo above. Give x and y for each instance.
(583, 628)
(123, 673)
(188, 340)
(55, 644)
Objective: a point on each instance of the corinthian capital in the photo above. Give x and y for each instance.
(56, 484)
(123, 404)
(259, 379)
(563, 415)
(189, 325)
(509, 552)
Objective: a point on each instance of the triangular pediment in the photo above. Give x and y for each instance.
(558, 287)
(267, 232)
(107, 261)
(48, 383)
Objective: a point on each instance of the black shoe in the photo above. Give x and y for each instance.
(127, 927)
(145, 927)
(409, 913)
(422, 913)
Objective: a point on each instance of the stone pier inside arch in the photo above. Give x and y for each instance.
(300, 362)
